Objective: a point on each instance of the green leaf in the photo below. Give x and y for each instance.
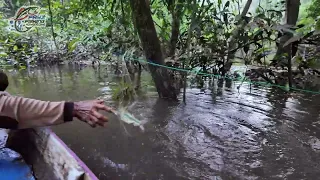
(15, 48)
(106, 24)
(227, 4)
(3, 54)
(318, 25)
(72, 44)
(22, 67)
(219, 2)
(35, 49)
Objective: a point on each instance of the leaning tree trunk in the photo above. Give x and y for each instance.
(235, 33)
(151, 46)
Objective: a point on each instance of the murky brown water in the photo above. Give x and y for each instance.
(219, 134)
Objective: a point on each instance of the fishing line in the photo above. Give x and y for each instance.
(125, 116)
(267, 84)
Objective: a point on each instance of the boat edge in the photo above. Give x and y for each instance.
(73, 154)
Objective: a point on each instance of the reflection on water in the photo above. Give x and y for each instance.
(222, 133)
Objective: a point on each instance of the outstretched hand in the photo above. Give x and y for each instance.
(88, 111)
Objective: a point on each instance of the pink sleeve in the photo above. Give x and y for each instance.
(31, 113)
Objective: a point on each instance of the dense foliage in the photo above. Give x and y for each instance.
(212, 35)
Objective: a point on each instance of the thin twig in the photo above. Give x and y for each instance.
(52, 30)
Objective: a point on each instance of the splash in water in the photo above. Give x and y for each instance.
(122, 112)
(129, 118)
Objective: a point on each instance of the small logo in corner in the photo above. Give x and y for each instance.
(26, 18)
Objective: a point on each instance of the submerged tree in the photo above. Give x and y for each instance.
(152, 48)
(291, 16)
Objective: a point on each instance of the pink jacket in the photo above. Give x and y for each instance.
(19, 113)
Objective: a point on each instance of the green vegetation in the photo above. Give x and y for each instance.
(212, 35)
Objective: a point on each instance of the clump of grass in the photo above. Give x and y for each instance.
(123, 92)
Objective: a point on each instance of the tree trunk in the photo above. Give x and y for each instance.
(176, 12)
(151, 45)
(186, 61)
(292, 13)
(290, 79)
(52, 31)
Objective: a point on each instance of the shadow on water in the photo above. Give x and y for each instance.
(221, 133)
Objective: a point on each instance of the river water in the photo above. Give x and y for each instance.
(221, 133)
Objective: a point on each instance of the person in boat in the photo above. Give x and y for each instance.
(4, 82)
(20, 113)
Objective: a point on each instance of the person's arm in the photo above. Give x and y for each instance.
(35, 113)
(29, 113)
